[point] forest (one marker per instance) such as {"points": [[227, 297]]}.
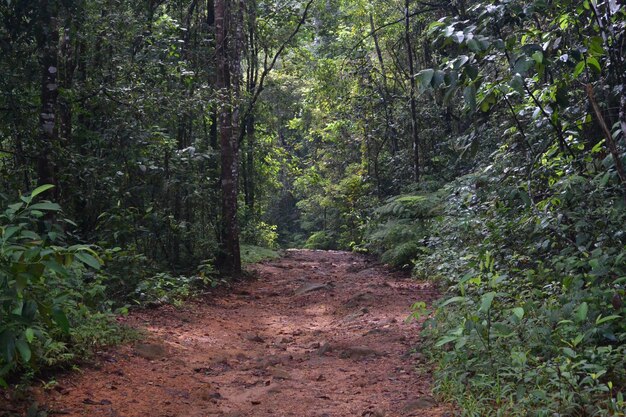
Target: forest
{"points": [[152, 150]]}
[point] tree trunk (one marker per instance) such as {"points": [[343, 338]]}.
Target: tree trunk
{"points": [[227, 40], [251, 87], [414, 131], [48, 135], [250, 144]]}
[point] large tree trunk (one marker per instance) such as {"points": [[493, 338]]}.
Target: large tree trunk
{"points": [[227, 84], [414, 131]]}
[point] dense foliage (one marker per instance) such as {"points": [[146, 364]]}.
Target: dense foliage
{"points": [[478, 143], [519, 207]]}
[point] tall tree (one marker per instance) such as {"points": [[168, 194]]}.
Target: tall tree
{"points": [[412, 92], [48, 44], [227, 27]]}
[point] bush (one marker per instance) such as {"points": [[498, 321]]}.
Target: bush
{"points": [[402, 255], [260, 233], [254, 254], [533, 322], [321, 240], [401, 225], [46, 287]]}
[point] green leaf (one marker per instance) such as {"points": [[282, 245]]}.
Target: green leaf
{"points": [[458, 37], [438, 79], [40, 190], [46, 206], [593, 63], [424, 77], [7, 346], [601, 320], [446, 339], [579, 338], [580, 67], [522, 66], [518, 312], [61, 320], [469, 94], [486, 301], [525, 198], [29, 234], [581, 312], [462, 341], [56, 267], [502, 330], [471, 71], [595, 45], [473, 45], [517, 83], [30, 335], [24, 349], [460, 61], [435, 25], [569, 352], [16, 206], [452, 300], [88, 259], [9, 231]]}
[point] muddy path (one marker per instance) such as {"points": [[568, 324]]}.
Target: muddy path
{"points": [[317, 334]]}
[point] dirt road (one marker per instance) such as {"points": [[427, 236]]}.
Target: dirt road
{"points": [[317, 334]]}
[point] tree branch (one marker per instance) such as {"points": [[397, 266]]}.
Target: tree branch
{"points": [[619, 167], [395, 22], [268, 68]]}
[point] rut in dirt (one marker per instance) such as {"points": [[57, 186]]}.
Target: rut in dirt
{"points": [[317, 334]]}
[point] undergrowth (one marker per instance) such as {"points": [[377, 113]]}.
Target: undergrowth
{"points": [[59, 301], [53, 303], [253, 254], [532, 323]]}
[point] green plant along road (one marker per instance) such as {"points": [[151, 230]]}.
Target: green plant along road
{"points": [[478, 144]]}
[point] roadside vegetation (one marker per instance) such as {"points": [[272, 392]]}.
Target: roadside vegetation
{"points": [[147, 152]]}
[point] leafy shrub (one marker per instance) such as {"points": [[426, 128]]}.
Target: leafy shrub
{"points": [[556, 351], [402, 255], [124, 270], [254, 254], [533, 324], [401, 225], [421, 206], [260, 233], [46, 287], [321, 240], [163, 288]]}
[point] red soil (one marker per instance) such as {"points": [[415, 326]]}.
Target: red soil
{"points": [[281, 345]]}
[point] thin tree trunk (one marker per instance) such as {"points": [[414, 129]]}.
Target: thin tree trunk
{"points": [[213, 141], [68, 67], [610, 142], [48, 135], [414, 131], [390, 131], [251, 86], [251, 143]]}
